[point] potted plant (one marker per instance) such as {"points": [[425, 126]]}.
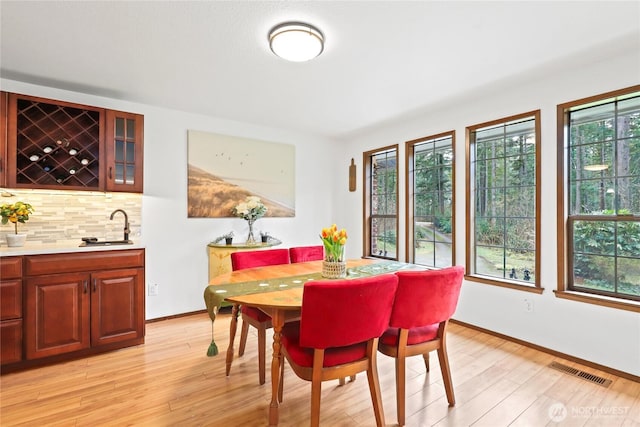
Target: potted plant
{"points": [[264, 236], [334, 265], [15, 213], [228, 238]]}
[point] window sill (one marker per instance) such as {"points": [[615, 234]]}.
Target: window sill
{"points": [[505, 284], [599, 300]]}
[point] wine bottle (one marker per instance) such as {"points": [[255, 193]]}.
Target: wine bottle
{"points": [[47, 167]]}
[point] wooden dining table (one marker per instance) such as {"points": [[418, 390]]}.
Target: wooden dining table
{"points": [[277, 291]]}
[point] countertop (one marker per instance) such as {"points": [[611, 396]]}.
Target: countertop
{"points": [[56, 248]]}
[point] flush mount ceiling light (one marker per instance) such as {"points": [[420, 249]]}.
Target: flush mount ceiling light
{"points": [[296, 41]]}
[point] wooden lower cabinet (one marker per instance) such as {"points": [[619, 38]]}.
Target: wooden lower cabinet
{"points": [[117, 306], [76, 305], [69, 312], [57, 314], [11, 341], [10, 309]]}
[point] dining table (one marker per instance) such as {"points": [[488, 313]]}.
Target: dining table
{"points": [[277, 291]]}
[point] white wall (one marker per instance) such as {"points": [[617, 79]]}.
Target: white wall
{"points": [[606, 336], [176, 246]]}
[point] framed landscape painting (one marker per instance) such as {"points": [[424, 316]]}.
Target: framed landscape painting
{"points": [[223, 170]]}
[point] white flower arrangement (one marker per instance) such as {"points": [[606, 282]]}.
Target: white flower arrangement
{"points": [[250, 209]]}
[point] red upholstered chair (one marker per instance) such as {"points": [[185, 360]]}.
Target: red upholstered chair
{"points": [[337, 334], [424, 303], [251, 315], [306, 253]]}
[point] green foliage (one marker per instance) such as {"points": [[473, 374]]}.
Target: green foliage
{"points": [[595, 253], [443, 223]]}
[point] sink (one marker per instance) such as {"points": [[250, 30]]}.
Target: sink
{"points": [[106, 242]]}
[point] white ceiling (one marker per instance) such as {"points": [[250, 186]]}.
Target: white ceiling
{"points": [[382, 59]]}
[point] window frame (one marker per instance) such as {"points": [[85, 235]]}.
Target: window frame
{"points": [[409, 194], [366, 203], [564, 234], [470, 273]]}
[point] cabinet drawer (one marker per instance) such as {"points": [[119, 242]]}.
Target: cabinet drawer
{"points": [[10, 268], [10, 341], [10, 299], [87, 261]]}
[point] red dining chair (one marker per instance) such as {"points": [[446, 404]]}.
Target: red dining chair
{"points": [[306, 253], [337, 334], [251, 315], [424, 303]]}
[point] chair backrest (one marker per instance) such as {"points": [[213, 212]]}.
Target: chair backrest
{"points": [[426, 297], [306, 253], [338, 313], [250, 259]]}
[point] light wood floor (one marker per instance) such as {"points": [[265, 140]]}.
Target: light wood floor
{"points": [[169, 381]]}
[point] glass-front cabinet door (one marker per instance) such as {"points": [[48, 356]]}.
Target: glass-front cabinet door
{"points": [[124, 148]]}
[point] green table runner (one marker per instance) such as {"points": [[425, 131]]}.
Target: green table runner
{"points": [[215, 294]]}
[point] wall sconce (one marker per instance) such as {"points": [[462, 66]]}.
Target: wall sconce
{"points": [[296, 41]]}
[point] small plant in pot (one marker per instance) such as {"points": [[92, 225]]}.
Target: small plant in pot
{"points": [[228, 238], [15, 213], [264, 236]]}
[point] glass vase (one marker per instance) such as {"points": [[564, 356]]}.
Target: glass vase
{"points": [[251, 240]]}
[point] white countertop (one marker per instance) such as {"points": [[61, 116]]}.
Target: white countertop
{"points": [[54, 248]]}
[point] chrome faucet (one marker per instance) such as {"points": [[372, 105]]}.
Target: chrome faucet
{"points": [[126, 223]]}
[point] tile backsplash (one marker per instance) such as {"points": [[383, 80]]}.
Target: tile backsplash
{"points": [[66, 216]]}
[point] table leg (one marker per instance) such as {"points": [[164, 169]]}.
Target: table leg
{"points": [[277, 320], [232, 336]]}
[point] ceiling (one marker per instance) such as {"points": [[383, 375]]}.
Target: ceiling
{"points": [[383, 60]]}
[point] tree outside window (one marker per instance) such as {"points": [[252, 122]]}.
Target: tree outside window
{"points": [[503, 201], [430, 200], [381, 203], [603, 195]]}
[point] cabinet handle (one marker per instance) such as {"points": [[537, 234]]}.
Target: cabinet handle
{"points": [[110, 172], [95, 286], [85, 286]]}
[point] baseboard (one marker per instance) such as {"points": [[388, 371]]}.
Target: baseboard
{"points": [[603, 368], [176, 316]]}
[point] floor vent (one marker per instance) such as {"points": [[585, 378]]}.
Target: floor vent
{"points": [[581, 374]]}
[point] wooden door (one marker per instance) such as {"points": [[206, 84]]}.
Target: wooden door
{"points": [[57, 314], [117, 306]]}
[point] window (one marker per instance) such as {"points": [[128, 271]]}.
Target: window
{"points": [[381, 203], [430, 207], [599, 145], [503, 202]]}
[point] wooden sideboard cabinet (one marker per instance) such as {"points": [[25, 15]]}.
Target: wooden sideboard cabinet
{"points": [[10, 309], [76, 304], [220, 255]]}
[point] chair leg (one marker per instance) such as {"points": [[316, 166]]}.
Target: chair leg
{"points": [[374, 389], [343, 380], [262, 344], [425, 356], [446, 374], [400, 388], [243, 337], [316, 391]]}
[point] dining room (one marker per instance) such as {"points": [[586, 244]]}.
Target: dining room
{"points": [[463, 134]]}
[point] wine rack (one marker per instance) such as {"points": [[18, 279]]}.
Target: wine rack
{"points": [[57, 145]]}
